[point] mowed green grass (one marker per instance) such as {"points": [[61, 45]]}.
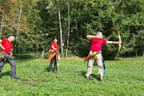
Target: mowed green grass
{"points": [[124, 77]]}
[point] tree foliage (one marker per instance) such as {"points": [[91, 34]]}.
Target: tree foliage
{"points": [[39, 23]]}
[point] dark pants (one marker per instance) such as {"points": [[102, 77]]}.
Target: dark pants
{"points": [[11, 61], [53, 60]]}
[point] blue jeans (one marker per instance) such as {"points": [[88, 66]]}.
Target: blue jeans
{"points": [[53, 60], [11, 61]]}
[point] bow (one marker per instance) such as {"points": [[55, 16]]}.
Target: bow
{"points": [[116, 57]]}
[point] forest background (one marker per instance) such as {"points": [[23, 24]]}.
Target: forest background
{"points": [[36, 22]]}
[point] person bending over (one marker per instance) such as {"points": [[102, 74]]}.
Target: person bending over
{"points": [[6, 52]]}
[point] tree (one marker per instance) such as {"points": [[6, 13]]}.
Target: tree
{"points": [[68, 29], [60, 25]]}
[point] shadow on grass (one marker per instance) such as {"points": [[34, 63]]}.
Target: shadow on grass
{"points": [[6, 73], [48, 70], [92, 75]]}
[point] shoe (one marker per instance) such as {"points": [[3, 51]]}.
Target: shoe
{"points": [[87, 78], [99, 78], [55, 71], [0, 75], [49, 70], [16, 78]]}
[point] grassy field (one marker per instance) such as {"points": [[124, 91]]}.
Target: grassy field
{"points": [[124, 77]]}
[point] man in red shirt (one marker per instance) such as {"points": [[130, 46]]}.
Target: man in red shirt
{"points": [[6, 52], [54, 48], [96, 46]]}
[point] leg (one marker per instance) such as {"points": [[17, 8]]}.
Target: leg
{"points": [[55, 64], [100, 66], [1, 66], [89, 67], [11, 61], [50, 65]]}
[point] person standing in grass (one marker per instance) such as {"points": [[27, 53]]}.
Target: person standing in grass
{"points": [[96, 46], [6, 52], [54, 49]]}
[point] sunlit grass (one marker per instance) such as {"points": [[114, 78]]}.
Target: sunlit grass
{"points": [[124, 77]]}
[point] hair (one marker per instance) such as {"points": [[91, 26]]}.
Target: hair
{"points": [[99, 33], [9, 35], [55, 37]]}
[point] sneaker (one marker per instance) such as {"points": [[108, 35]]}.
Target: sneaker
{"points": [[55, 70], [99, 78], [0, 74], [87, 78]]}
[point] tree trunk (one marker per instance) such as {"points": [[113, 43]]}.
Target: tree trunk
{"points": [[136, 53], [60, 25], [68, 27], [1, 23], [42, 56], [142, 50], [20, 15], [36, 47]]}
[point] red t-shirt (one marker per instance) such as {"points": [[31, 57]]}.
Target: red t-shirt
{"points": [[7, 45], [96, 44], [55, 45]]}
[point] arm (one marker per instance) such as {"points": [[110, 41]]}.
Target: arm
{"points": [[53, 47], [1, 45], [113, 42], [91, 36], [11, 53]]}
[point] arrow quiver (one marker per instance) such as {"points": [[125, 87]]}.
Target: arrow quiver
{"points": [[94, 55]]}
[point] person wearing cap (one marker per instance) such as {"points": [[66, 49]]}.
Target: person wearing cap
{"points": [[54, 48], [96, 46], [6, 52]]}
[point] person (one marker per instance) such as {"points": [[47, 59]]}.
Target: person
{"points": [[96, 46], [54, 49], [6, 52]]}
